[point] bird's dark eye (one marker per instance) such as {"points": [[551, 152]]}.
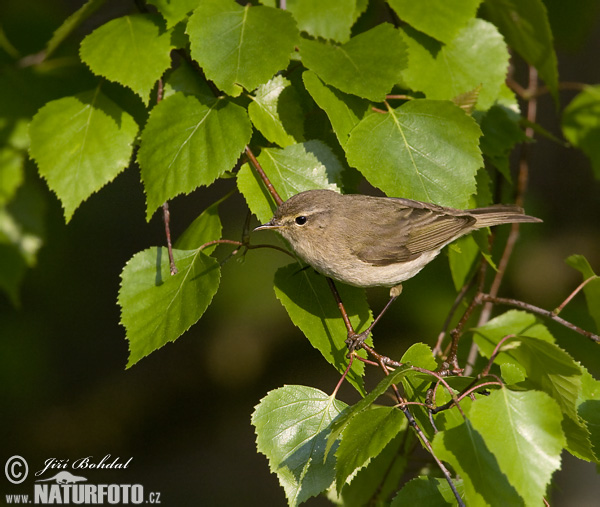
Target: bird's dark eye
{"points": [[301, 220]]}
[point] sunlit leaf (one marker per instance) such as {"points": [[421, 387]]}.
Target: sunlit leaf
{"points": [[293, 169], [240, 46], [187, 143], [174, 11], [157, 307], [310, 304], [130, 50], [329, 19], [425, 149], [292, 424], [275, 111], [364, 438], [368, 65], [484, 482], [523, 431], [476, 57], [69, 140], [441, 19]]}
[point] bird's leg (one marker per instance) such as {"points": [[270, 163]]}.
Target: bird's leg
{"points": [[355, 340]]}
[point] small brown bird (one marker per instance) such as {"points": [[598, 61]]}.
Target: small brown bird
{"points": [[376, 241]]}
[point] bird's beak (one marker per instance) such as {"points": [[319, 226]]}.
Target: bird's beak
{"points": [[268, 225]]}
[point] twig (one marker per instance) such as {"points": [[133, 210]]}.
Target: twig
{"points": [[437, 350], [488, 298], [166, 220], [263, 176], [344, 375], [399, 97], [244, 244], [495, 353], [560, 308]]}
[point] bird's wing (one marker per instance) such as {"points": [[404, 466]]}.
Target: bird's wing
{"points": [[407, 231]]}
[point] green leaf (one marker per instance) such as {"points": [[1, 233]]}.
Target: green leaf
{"points": [[548, 368], [186, 79], [292, 424], [275, 111], [365, 437], [206, 227], [440, 19], [157, 307], [187, 143], [477, 57], [368, 65], [523, 431], [293, 169], [379, 479], [11, 172], [525, 26], [329, 19], [428, 491], [70, 24], [425, 150], [174, 12], [462, 254], [234, 47], [501, 132], [69, 140], [21, 237], [419, 354], [344, 111], [464, 448], [589, 409], [591, 289], [130, 50], [340, 424], [581, 124], [308, 300]]}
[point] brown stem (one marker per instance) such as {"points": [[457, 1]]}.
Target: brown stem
{"points": [[560, 308], [263, 176], [437, 350], [344, 375], [495, 353], [166, 220], [341, 307], [488, 298]]}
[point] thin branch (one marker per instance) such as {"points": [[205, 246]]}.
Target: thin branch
{"points": [[399, 97], [263, 176], [344, 375], [437, 350], [248, 246], [560, 308], [488, 298], [495, 353], [166, 220], [341, 307]]}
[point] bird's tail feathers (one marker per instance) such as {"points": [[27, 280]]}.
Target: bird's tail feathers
{"points": [[501, 214]]}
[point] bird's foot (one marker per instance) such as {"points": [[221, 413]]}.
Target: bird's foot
{"points": [[355, 340]]}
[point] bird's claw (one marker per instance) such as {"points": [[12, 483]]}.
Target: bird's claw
{"points": [[354, 340]]}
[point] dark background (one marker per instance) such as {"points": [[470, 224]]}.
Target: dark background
{"points": [[183, 413]]}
